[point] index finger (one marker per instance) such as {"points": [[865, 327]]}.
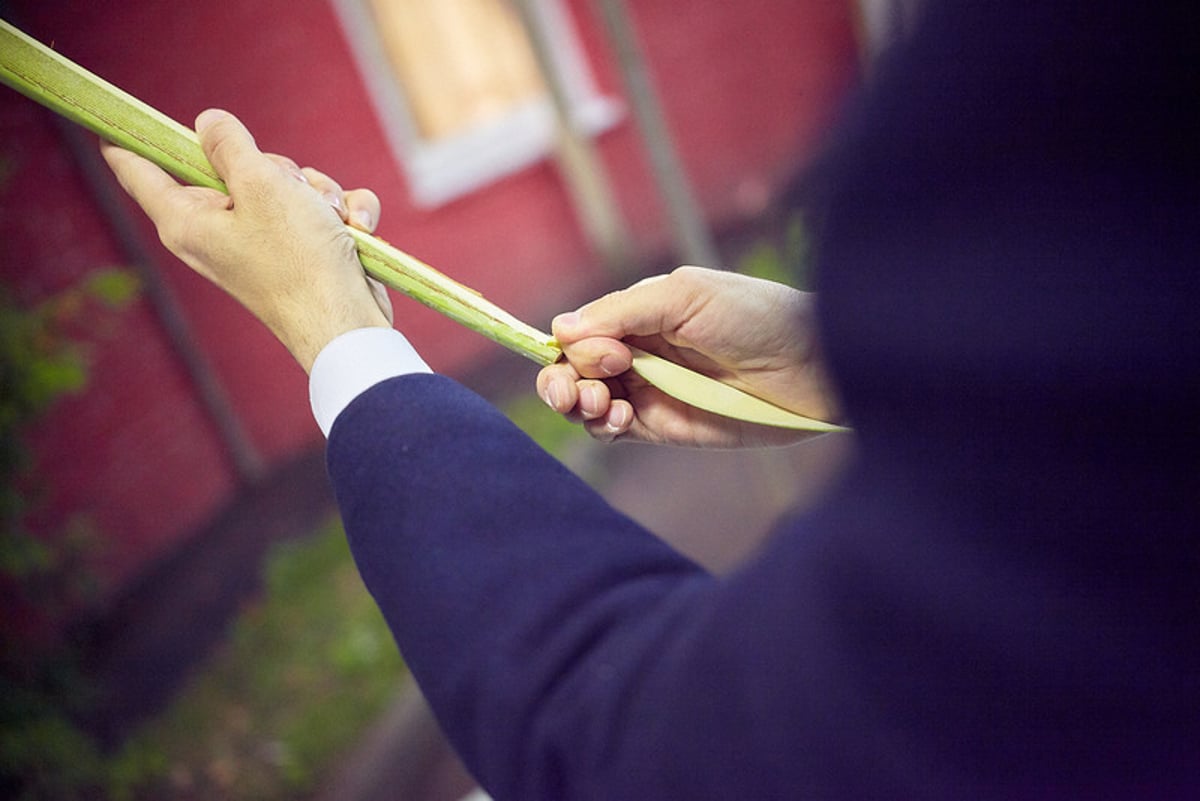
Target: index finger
{"points": [[152, 188]]}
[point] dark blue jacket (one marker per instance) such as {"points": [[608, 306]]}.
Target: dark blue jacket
{"points": [[1000, 598]]}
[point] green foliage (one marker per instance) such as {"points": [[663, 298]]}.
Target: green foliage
{"points": [[43, 578], [304, 670], [552, 431], [43, 358], [114, 288], [36, 365], [55, 759], [785, 258]]}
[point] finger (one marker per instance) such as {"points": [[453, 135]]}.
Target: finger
{"points": [[594, 399], [288, 166], [557, 387], [229, 146], [159, 195], [651, 306], [615, 423], [598, 357], [364, 209], [329, 189]]}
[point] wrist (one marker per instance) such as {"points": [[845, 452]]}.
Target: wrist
{"points": [[354, 362], [307, 342]]}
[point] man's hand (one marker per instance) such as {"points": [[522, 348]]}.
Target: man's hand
{"points": [[277, 242], [756, 335]]}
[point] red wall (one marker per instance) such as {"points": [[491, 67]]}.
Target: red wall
{"points": [[748, 89], [135, 451]]}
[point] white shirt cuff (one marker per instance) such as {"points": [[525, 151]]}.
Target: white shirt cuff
{"points": [[353, 363]]}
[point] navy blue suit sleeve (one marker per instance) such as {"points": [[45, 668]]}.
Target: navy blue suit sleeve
{"points": [[567, 652], [510, 586], [997, 600], [890, 643]]}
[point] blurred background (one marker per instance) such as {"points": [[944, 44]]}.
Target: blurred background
{"points": [[180, 617]]}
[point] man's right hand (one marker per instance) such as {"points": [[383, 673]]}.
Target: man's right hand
{"points": [[277, 243], [753, 334]]}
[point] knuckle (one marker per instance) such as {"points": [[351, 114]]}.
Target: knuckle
{"points": [[687, 273], [322, 182], [218, 144], [176, 233], [690, 278]]}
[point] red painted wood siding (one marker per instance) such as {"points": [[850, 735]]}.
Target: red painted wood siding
{"points": [[748, 89]]}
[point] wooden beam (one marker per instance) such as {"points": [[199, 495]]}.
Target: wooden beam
{"points": [[691, 233], [578, 160]]}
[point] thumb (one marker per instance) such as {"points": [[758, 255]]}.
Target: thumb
{"points": [[227, 143], [651, 306], [591, 337]]}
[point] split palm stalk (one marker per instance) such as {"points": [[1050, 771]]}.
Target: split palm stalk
{"points": [[39, 73], [48, 78]]}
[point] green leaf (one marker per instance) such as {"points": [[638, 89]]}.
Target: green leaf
{"points": [[112, 286]]}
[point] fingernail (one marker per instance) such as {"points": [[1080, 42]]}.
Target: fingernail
{"points": [[361, 219], [551, 396], [589, 401], [617, 419], [207, 118], [611, 364]]}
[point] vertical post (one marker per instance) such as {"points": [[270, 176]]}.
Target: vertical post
{"points": [[582, 169], [692, 236], [247, 463]]}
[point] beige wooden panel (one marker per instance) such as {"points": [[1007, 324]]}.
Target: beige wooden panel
{"points": [[462, 63]]}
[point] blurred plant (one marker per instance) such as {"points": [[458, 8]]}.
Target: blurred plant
{"points": [[785, 258], [45, 576], [43, 358], [305, 669]]}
